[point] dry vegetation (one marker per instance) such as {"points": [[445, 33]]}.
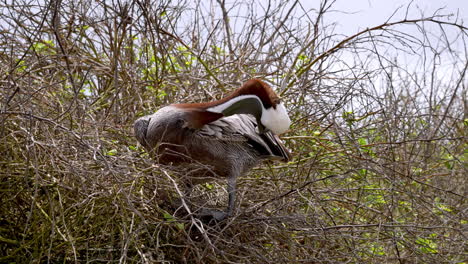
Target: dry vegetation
{"points": [[379, 133]]}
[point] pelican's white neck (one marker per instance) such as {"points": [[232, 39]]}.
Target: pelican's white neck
{"points": [[277, 120]]}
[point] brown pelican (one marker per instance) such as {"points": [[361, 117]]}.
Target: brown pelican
{"points": [[230, 135]]}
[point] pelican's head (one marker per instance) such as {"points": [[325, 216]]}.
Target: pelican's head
{"points": [[257, 98]]}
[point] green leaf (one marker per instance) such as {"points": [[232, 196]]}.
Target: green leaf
{"points": [[378, 250], [209, 186], [134, 148], [21, 66], [44, 47], [426, 245], [362, 173], [302, 56], [168, 217], [111, 152], [267, 245], [405, 204], [181, 48], [362, 141], [449, 161], [161, 94]]}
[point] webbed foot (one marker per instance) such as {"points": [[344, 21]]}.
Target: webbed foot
{"points": [[212, 215]]}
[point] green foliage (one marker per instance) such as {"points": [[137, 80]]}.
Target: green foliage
{"points": [[44, 47], [427, 245], [21, 66], [168, 217], [111, 152]]}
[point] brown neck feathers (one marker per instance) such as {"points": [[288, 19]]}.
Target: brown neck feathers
{"points": [[199, 116], [251, 87]]}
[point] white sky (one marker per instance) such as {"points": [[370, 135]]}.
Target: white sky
{"points": [[356, 15]]}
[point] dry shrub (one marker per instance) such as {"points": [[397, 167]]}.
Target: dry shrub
{"points": [[379, 174]]}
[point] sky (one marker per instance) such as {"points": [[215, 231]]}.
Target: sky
{"points": [[356, 15], [353, 16]]}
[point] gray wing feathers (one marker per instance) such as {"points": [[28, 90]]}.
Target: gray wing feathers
{"points": [[230, 128], [244, 128]]}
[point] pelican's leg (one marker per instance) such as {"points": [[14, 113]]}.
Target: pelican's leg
{"points": [[209, 214], [231, 188]]}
